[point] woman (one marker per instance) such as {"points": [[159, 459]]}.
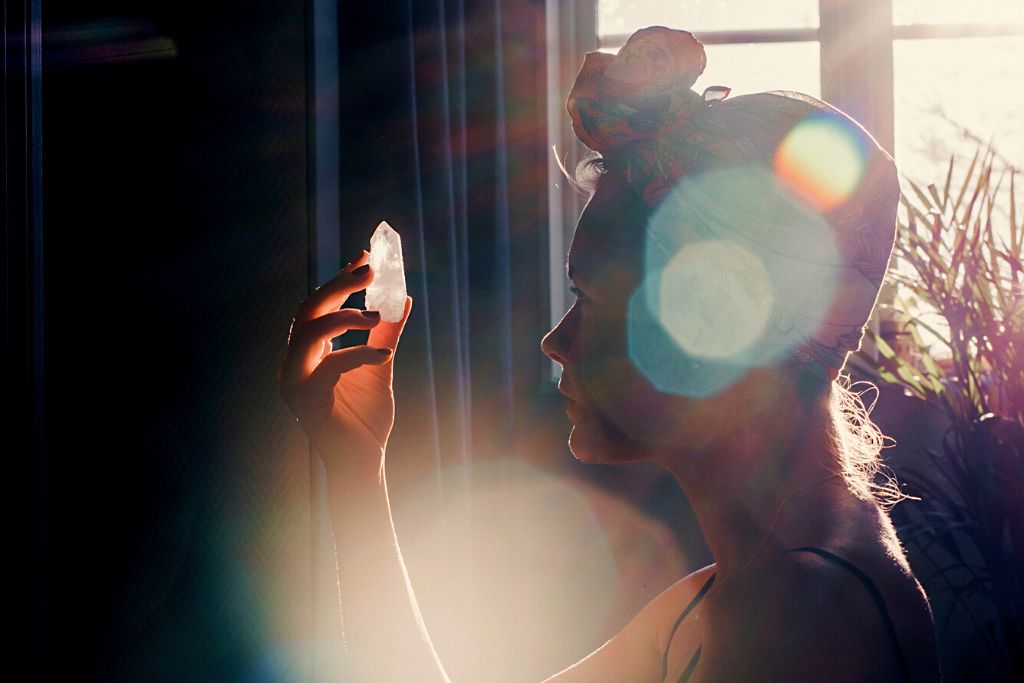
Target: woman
{"points": [[724, 268]]}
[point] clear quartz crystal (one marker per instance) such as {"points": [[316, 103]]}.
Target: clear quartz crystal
{"points": [[387, 291]]}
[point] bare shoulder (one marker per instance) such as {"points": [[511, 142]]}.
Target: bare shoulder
{"points": [[803, 616], [665, 608], [634, 653]]}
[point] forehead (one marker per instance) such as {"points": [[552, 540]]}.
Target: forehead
{"points": [[609, 235]]}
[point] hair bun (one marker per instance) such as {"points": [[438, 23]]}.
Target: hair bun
{"points": [[642, 92]]}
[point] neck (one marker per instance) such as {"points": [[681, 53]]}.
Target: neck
{"points": [[772, 485]]}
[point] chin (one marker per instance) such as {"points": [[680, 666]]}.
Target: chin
{"points": [[584, 450], [599, 444]]}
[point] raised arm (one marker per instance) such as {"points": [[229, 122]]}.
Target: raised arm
{"points": [[344, 401], [384, 634]]}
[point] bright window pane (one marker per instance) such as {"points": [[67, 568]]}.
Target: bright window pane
{"points": [[951, 93], [618, 17], [757, 67], [763, 66], [957, 11]]}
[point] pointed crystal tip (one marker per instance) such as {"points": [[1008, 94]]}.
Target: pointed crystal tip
{"points": [[387, 291]]}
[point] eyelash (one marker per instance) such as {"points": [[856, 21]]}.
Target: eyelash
{"points": [[577, 293]]}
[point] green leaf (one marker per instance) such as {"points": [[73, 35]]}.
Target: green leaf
{"points": [[925, 200], [945, 187], [1013, 213], [966, 183]]}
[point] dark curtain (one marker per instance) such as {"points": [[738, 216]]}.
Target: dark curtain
{"points": [[442, 134], [173, 244]]}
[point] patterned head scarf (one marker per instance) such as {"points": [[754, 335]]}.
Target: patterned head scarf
{"points": [[787, 200]]}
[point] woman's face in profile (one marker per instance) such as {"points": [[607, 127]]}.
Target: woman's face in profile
{"points": [[617, 414]]}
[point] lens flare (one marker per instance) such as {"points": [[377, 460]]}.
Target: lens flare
{"points": [[522, 561], [821, 161], [737, 273], [714, 299]]}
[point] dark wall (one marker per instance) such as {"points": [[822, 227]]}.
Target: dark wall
{"points": [[175, 538], [175, 237]]}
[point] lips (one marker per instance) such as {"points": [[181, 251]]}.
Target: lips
{"points": [[571, 407], [563, 392]]}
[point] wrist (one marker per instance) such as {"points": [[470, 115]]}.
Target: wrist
{"points": [[360, 463]]}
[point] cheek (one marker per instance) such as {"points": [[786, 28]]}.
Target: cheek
{"points": [[603, 360], [625, 400], [607, 374]]}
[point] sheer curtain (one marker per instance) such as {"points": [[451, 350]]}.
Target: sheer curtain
{"points": [[431, 116]]}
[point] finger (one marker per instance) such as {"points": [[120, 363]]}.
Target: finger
{"points": [[335, 291], [307, 346], [386, 335], [343, 360]]}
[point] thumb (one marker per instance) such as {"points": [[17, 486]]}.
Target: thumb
{"points": [[385, 334]]}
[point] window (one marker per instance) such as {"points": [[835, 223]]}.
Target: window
{"points": [[958, 71], [928, 78]]}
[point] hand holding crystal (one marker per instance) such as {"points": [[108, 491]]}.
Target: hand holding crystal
{"points": [[344, 398]]}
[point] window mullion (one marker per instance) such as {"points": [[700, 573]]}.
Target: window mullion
{"points": [[857, 77], [779, 35], [856, 62]]}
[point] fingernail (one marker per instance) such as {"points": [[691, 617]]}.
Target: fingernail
{"points": [[371, 314], [384, 352], [361, 270]]}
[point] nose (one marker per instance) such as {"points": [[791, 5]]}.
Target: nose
{"points": [[557, 342]]}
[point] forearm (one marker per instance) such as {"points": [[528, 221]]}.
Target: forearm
{"points": [[384, 634]]}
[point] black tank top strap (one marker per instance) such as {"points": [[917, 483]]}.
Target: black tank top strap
{"points": [[872, 589], [696, 655]]}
